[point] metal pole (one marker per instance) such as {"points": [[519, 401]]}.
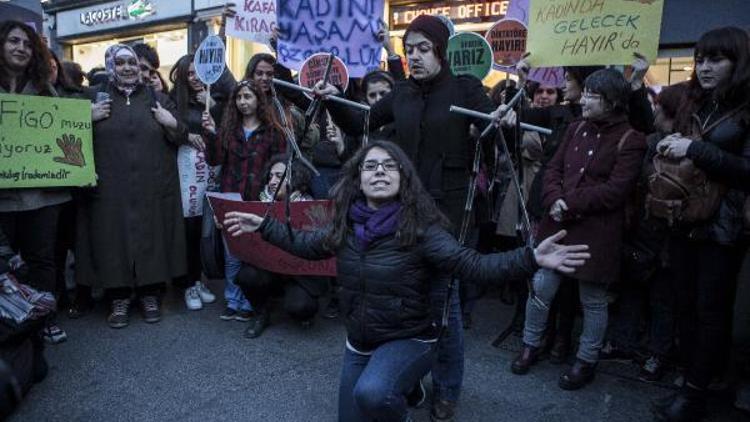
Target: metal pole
{"points": [[485, 116], [335, 99]]}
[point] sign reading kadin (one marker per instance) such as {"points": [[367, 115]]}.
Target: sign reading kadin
{"points": [[593, 32], [344, 28], [469, 54], [507, 39], [314, 68], [45, 142], [209, 59]]}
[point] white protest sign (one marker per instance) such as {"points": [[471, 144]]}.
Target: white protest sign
{"points": [[255, 21], [209, 60], [196, 177], [345, 28]]}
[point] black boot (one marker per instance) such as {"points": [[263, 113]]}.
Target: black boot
{"points": [[257, 323], [580, 374], [686, 406]]}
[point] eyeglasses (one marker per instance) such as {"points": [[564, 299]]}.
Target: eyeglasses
{"points": [[372, 165]]}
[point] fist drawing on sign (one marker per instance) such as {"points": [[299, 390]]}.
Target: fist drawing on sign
{"points": [[71, 148]]}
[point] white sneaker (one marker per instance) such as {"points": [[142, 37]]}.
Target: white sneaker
{"points": [[205, 294], [193, 299]]}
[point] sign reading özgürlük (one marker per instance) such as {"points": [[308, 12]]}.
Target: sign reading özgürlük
{"points": [[45, 142]]}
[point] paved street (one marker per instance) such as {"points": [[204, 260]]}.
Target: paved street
{"points": [[194, 367]]}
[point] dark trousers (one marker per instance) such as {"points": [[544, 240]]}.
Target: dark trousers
{"points": [[66, 237], [193, 250], [33, 234], [300, 293], [704, 276], [156, 289], [654, 298]]}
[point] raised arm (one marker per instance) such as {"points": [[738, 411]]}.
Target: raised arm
{"points": [[304, 244], [445, 253]]}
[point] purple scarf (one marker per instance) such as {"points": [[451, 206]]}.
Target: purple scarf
{"points": [[371, 225]]}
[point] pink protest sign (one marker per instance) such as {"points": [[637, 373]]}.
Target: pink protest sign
{"points": [[314, 68], [255, 21]]}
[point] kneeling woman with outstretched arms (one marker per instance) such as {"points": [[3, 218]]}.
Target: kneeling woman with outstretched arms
{"points": [[389, 237]]}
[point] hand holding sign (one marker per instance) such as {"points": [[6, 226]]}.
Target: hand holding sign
{"points": [[71, 147], [239, 223]]}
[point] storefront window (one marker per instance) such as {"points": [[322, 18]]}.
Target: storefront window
{"points": [[171, 45], [670, 70]]}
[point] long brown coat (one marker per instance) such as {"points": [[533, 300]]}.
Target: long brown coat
{"points": [[594, 177], [130, 227]]}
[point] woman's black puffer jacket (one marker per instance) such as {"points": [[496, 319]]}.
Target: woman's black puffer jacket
{"points": [[723, 152], [385, 288]]}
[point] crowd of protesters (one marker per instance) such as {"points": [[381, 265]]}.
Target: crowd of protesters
{"points": [[636, 201]]}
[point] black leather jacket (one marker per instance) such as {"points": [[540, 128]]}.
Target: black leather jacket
{"points": [[723, 152], [385, 289]]}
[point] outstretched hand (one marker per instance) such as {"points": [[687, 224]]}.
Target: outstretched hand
{"points": [[563, 258], [239, 223]]}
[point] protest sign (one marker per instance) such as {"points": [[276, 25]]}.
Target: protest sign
{"points": [[469, 54], [45, 142], [314, 68], [548, 76], [593, 32], [518, 10], [196, 176], [255, 21], [252, 249], [209, 60], [345, 28], [507, 38]]}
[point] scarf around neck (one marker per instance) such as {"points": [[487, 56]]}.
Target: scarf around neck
{"points": [[373, 224]]}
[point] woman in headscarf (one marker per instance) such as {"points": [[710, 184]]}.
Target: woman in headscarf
{"points": [[130, 235]]}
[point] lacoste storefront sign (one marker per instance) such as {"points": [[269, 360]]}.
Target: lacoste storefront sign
{"points": [[135, 9], [118, 14]]}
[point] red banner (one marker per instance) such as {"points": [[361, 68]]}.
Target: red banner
{"points": [[252, 249]]}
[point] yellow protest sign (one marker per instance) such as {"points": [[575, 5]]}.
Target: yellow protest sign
{"points": [[592, 32], [45, 142]]}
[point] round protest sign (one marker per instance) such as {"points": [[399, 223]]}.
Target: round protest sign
{"points": [[507, 38], [314, 68], [209, 60], [469, 54]]}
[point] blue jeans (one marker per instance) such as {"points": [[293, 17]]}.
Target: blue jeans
{"points": [[448, 370], [594, 301], [232, 292], [373, 388]]}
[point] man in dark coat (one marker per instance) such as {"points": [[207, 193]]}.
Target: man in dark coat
{"points": [[441, 147]]}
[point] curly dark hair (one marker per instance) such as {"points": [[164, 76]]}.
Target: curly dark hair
{"points": [[232, 119], [418, 209], [38, 70]]}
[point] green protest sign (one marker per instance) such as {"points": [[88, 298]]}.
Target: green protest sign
{"points": [[469, 54], [592, 32], [45, 142]]}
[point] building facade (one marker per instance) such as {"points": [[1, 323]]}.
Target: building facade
{"points": [[82, 29]]}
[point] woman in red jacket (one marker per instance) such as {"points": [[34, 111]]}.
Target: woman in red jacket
{"points": [[585, 189]]}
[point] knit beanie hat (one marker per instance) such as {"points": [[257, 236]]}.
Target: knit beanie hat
{"points": [[433, 29]]}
